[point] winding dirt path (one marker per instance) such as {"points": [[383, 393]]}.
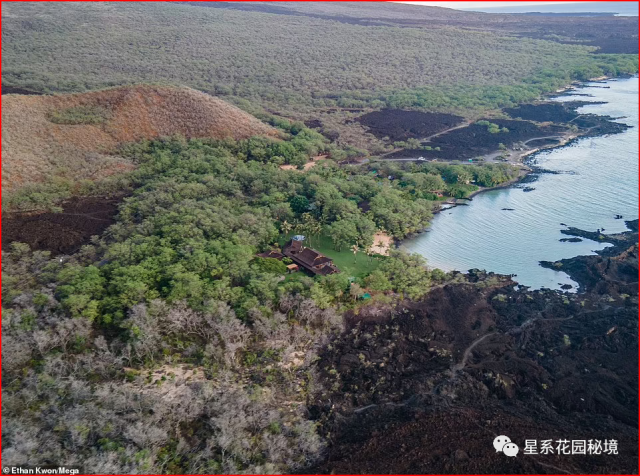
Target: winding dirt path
{"points": [[558, 137], [467, 352], [427, 139], [459, 126]]}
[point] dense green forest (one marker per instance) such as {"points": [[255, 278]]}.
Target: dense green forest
{"points": [[175, 285]]}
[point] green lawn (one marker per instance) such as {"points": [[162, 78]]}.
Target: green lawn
{"points": [[344, 259]]}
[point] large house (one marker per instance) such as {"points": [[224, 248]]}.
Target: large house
{"points": [[308, 258]]}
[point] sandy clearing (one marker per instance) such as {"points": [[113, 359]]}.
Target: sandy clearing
{"points": [[312, 163], [381, 243]]}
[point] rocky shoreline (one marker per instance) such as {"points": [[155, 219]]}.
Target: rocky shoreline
{"points": [[591, 125], [586, 270], [424, 386]]}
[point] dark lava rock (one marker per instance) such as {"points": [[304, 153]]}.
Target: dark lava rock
{"points": [[599, 125], [475, 140], [570, 240], [64, 232], [397, 124], [545, 112], [437, 379], [14, 90], [613, 270], [589, 235]]}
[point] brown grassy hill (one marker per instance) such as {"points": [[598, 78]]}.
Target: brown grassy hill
{"points": [[74, 136]]}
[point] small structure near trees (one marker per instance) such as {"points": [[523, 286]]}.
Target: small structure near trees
{"points": [[295, 254], [308, 258]]}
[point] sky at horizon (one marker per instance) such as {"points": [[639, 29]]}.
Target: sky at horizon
{"points": [[624, 8], [466, 5]]}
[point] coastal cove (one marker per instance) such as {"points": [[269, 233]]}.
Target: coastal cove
{"points": [[509, 231]]}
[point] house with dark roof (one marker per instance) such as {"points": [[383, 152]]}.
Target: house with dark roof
{"points": [[309, 259], [271, 254]]}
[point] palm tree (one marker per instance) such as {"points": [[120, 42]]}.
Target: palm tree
{"points": [[464, 177], [355, 291], [311, 225], [355, 250], [317, 228], [286, 228], [369, 251]]}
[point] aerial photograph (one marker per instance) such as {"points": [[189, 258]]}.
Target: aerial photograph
{"points": [[319, 237]]}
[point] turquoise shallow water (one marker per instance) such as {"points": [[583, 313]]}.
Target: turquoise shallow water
{"points": [[602, 181]]}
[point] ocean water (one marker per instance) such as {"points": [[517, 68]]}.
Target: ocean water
{"points": [[600, 181]]}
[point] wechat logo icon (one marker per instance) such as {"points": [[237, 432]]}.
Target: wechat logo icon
{"points": [[503, 444]]}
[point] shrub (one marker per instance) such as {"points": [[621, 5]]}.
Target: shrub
{"points": [[89, 115]]}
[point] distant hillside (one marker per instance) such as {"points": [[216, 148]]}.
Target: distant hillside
{"points": [[610, 35], [73, 136], [343, 11], [320, 62]]}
